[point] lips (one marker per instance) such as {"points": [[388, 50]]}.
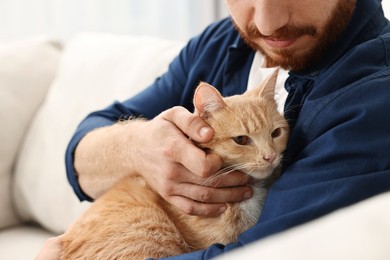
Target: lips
{"points": [[279, 43]]}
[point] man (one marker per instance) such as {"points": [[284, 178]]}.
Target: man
{"points": [[337, 52]]}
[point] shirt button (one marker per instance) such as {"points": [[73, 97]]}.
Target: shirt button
{"points": [[314, 73]]}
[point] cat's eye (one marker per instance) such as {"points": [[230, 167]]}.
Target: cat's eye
{"points": [[276, 133], [241, 139]]}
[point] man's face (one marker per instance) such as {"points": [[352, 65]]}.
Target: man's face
{"points": [[291, 34]]}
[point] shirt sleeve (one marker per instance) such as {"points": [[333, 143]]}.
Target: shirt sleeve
{"points": [[343, 142], [345, 160], [175, 87], [165, 92], [209, 253]]}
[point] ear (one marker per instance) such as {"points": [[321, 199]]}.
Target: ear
{"points": [[267, 88], [207, 99]]}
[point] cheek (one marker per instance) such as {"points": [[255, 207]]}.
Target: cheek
{"points": [[241, 12], [281, 143], [234, 154], [315, 12]]}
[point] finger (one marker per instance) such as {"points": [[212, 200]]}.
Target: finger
{"points": [[200, 163], [191, 207], [206, 194], [230, 179], [192, 125], [51, 249], [195, 160]]}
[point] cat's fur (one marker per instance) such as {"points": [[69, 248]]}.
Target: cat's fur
{"points": [[131, 221]]}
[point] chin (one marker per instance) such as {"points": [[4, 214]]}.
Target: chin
{"points": [[260, 174]]}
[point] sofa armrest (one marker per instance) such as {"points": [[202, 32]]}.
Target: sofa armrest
{"points": [[95, 70], [27, 69]]}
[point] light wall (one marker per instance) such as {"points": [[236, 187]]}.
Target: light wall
{"points": [[386, 7], [172, 19]]}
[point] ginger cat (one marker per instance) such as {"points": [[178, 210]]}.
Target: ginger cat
{"points": [[131, 221]]}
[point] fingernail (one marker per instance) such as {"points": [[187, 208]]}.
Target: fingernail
{"points": [[204, 131], [221, 210], [247, 195]]}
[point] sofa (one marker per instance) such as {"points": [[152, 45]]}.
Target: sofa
{"points": [[47, 86], [46, 89]]}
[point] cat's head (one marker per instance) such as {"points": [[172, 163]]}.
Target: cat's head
{"points": [[249, 133]]}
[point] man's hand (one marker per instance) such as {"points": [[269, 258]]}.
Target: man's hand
{"points": [[179, 171], [51, 250], [162, 152]]}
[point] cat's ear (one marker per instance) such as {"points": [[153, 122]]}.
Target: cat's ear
{"points": [[207, 99], [267, 88]]}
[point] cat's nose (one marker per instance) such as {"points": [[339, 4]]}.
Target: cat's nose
{"points": [[270, 158]]}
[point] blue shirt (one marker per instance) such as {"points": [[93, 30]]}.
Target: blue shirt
{"points": [[338, 150]]}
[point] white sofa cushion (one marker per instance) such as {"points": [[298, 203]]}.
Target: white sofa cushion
{"points": [[22, 242], [359, 232], [95, 70], [27, 69]]}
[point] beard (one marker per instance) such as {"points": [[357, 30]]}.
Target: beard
{"points": [[289, 59]]}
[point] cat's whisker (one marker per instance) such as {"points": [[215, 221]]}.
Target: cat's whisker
{"points": [[246, 177], [215, 179], [292, 108], [135, 221]]}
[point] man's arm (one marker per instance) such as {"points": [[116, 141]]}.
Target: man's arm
{"points": [[160, 151], [339, 147], [103, 151]]}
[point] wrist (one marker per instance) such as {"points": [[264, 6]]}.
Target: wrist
{"points": [[104, 156]]}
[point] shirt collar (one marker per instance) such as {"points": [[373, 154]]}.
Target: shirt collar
{"points": [[238, 53], [366, 23]]}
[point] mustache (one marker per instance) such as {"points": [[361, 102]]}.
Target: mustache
{"points": [[286, 32]]}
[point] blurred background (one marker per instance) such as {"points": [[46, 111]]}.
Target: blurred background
{"points": [[171, 19]]}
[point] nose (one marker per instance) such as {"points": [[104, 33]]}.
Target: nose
{"points": [[270, 158], [270, 15]]}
